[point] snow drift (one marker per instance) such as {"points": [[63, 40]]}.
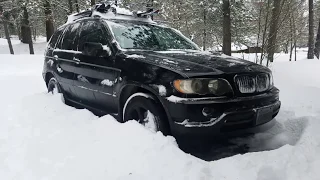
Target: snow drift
{"points": [[41, 138]]}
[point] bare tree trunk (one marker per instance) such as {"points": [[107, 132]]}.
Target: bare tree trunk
{"points": [[226, 28], [311, 31], [77, 5], [188, 29], [286, 48], [26, 30], [49, 19], [34, 34], [295, 49], [294, 37], [70, 6], [265, 33], [291, 38], [93, 2], [204, 38], [272, 39], [18, 30], [259, 31], [317, 45], [6, 32]]}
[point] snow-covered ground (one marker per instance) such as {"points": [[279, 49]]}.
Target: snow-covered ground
{"points": [[20, 48], [41, 138]]}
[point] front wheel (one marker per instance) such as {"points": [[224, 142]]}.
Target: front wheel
{"points": [[53, 86], [148, 112]]}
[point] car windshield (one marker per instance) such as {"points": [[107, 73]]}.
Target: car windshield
{"points": [[133, 35]]}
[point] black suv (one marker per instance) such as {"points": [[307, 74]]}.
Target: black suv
{"points": [[136, 69]]}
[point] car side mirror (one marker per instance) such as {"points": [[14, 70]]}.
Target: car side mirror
{"points": [[96, 49]]}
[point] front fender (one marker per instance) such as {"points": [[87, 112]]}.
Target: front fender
{"points": [[130, 88]]}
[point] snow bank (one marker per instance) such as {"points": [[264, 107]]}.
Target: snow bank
{"points": [[20, 48], [4, 42], [41, 138]]}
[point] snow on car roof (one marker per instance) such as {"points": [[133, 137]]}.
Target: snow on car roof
{"points": [[121, 14], [111, 15]]}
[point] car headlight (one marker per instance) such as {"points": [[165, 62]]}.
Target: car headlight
{"points": [[216, 87]]}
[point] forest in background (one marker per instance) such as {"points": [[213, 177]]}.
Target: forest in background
{"points": [[261, 26]]}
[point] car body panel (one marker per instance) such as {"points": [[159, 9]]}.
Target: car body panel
{"points": [[100, 81], [96, 77], [197, 63]]}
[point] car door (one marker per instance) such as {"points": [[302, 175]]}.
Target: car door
{"points": [[95, 75], [63, 54]]}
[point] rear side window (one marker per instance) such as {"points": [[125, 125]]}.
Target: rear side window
{"points": [[54, 38], [92, 31], [70, 37]]}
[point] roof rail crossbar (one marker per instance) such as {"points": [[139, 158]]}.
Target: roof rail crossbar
{"points": [[109, 7]]}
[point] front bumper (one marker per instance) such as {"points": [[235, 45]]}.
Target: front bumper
{"points": [[213, 116]]}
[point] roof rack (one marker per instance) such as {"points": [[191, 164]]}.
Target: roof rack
{"points": [[104, 8]]}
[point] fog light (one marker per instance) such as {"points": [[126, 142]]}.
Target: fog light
{"points": [[207, 112], [211, 112]]}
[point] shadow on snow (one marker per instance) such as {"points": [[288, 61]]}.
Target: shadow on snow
{"points": [[288, 130]]}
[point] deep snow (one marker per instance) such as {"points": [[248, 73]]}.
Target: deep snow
{"points": [[41, 138]]}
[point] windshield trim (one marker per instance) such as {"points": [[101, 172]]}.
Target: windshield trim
{"points": [[108, 21]]}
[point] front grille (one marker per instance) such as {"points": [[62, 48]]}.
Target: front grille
{"points": [[246, 84], [263, 82], [252, 84]]}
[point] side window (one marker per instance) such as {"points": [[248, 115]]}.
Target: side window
{"points": [[92, 31], [54, 38], [70, 37]]}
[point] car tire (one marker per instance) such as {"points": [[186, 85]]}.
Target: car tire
{"points": [[148, 112], [53, 86]]}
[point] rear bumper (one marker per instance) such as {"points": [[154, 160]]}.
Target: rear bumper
{"points": [[211, 117]]}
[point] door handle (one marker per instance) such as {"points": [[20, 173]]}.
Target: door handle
{"points": [[76, 60], [56, 57]]}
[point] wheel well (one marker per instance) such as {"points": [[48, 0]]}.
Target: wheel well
{"points": [[48, 77], [131, 89], [128, 91]]}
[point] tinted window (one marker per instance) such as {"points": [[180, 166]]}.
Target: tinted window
{"points": [[92, 31], [54, 38], [70, 37]]}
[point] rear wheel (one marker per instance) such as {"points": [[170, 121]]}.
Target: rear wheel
{"points": [[148, 112]]}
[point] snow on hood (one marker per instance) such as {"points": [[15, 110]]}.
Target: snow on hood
{"points": [[197, 63]]}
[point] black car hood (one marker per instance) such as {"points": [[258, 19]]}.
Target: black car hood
{"points": [[196, 63]]}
